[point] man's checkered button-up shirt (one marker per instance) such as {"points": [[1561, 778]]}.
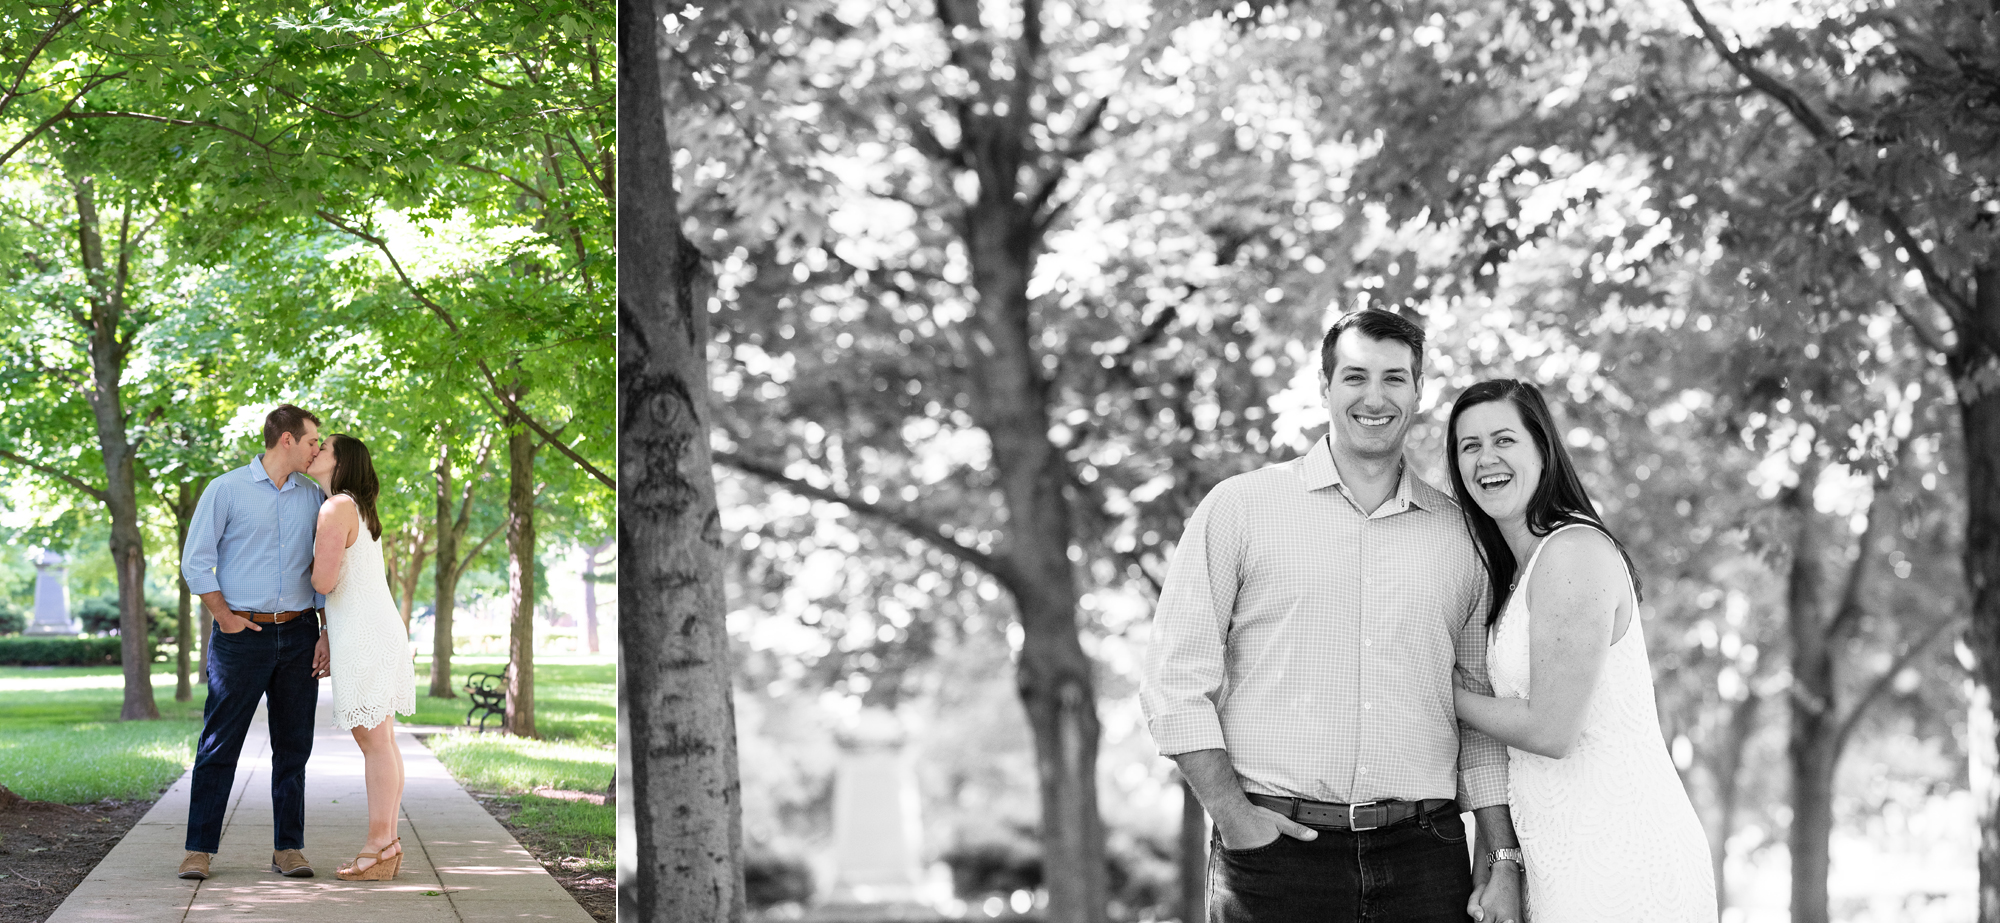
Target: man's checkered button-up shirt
{"points": [[1316, 643]]}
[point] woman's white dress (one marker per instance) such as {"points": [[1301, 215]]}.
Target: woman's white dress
{"points": [[1607, 832], [368, 644]]}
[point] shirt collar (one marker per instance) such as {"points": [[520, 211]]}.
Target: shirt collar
{"points": [[1319, 472], [257, 473]]}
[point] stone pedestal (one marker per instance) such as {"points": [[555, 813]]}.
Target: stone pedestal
{"points": [[876, 827], [51, 616]]}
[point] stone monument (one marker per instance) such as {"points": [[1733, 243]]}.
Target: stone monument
{"points": [[51, 615], [878, 871]]}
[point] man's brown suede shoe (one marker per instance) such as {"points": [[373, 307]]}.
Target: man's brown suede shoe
{"points": [[291, 863], [195, 866]]}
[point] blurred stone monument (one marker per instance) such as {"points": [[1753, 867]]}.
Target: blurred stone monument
{"points": [[878, 874], [51, 596]]}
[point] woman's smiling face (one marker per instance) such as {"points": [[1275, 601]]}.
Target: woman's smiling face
{"points": [[1498, 459]]}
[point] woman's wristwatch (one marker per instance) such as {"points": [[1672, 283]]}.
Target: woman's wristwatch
{"points": [[1506, 854]]}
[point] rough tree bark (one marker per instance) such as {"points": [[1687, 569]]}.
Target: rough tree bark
{"points": [[681, 831], [520, 714]]}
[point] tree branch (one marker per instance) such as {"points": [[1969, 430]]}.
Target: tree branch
{"points": [[1954, 302], [451, 324], [998, 567], [186, 123], [63, 476], [1887, 678]]}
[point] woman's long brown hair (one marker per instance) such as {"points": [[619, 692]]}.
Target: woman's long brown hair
{"points": [[354, 475]]}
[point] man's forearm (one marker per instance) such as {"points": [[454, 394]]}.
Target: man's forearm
{"points": [[1213, 778], [213, 602], [1496, 829]]}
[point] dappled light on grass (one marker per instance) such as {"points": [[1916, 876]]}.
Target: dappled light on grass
{"points": [[61, 740], [492, 762], [89, 762]]}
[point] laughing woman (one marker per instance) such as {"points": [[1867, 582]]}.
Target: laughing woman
{"points": [[1605, 826], [369, 644]]}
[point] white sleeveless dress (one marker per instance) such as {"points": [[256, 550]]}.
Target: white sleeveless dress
{"points": [[369, 647], [1608, 832]]}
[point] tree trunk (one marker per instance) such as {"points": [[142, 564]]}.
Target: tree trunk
{"points": [[406, 568], [1728, 784], [590, 592], [445, 586], [186, 496], [1977, 377], [1054, 675], [680, 854], [1193, 862], [121, 488], [520, 714], [1810, 749]]}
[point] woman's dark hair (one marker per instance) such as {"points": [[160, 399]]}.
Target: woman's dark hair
{"points": [[354, 475], [1559, 499]]}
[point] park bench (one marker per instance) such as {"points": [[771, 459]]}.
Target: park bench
{"points": [[489, 697]]}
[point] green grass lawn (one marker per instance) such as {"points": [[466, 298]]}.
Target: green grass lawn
{"points": [[575, 714], [61, 740]]}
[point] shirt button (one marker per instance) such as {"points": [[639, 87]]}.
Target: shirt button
{"points": [[1365, 642], [1366, 706]]}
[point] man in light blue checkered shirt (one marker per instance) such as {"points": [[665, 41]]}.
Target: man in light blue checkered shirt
{"points": [[249, 557], [1300, 670]]}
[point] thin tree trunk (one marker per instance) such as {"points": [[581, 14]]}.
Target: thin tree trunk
{"points": [[679, 791], [520, 714], [590, 592], [1813, 721], [1729, 789], [1979, 413], [1193, 864], [186, 496], [445, 585], [121, 488]]}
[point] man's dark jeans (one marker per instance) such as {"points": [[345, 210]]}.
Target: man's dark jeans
{"points": [[243, 668], [1414, 872]]}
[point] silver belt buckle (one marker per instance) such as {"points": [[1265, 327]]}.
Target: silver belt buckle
{"points": [[1355, 827]]}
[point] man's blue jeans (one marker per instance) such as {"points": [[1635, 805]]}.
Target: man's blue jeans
{"points": [[243, 667], [1414, 872]]}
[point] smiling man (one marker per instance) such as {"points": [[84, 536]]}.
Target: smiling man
{"points": [[1300, 670]]}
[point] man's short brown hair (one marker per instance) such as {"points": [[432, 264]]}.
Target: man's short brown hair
{"points": [[286, 419]]}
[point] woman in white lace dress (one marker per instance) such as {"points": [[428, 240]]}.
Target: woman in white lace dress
{"points": [[1606, 829], [367, 640]]}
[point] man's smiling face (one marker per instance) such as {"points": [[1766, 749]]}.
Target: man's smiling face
{"points": [[1372, 396]]}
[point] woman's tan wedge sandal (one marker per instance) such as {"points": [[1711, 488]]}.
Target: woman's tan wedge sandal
{"points": [[382, 870]]}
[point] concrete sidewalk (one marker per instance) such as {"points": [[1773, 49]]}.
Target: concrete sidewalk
{"points": [[459, 864]]}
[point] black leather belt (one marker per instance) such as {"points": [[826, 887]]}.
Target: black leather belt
{"points": [[1367, 815]]}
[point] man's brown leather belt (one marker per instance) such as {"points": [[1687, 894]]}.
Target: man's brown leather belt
{"points": [[271, 618], [1367, 815]]}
